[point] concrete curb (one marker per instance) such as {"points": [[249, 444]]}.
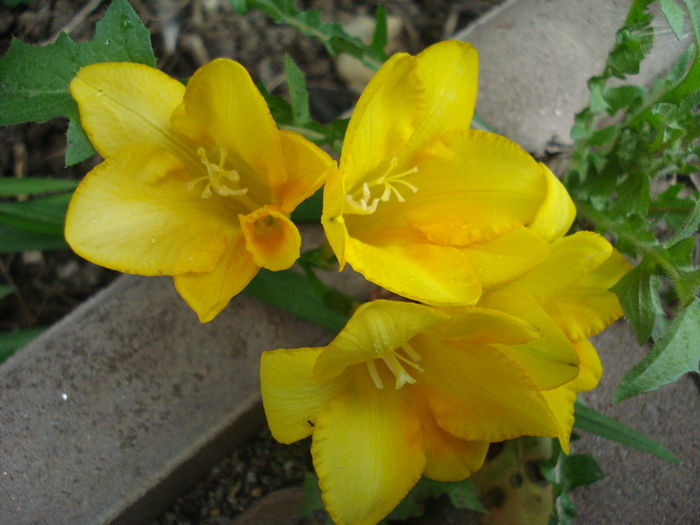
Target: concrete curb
{"points": [[536, 57]]}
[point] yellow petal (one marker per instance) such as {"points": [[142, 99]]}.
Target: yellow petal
{"points": [[209, 293], [383, 121], [449, 74], [367, 451], [557, 213], [482, 326], [307, 168], [473, 186], [572, 258], [584, 312], [448, 458], [432, 274], [587, 307], [223, 108], [376, 328], [591, 369], [561, 402], [506, 257], [123, 104], [134, 213], [271, 238], [478, 394], [332, 217], [550, 360], [292, 400]]}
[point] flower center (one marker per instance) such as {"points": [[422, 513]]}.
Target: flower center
{"points": [[224, 182], [359, 201], [395, 363]]}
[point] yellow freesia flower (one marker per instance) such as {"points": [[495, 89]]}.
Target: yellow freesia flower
{"points": [[426, 207], [405, 389], [567, 297], [197, 182]]}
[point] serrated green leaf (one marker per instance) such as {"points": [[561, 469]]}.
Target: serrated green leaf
{"points": [[637, 292], [78, 145], [34, 80], [624, 97], [596, 423], [596, 86], [691, 78], [634, 194], [675, 16], [680, 254], [10, 342], [676, 353], [298, 95], [686, 283], [626, 56], [6, 290], [11, 187], [690, 226], [603, 136]]}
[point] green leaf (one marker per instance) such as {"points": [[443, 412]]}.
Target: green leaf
{"points": [[34, 80], [462, 494], [310, 209], [6, 290], [332, 36], [677, 352], [298, 95], [624, 97], [674, 14], [567, 473], [581, 469], [312, 506], [11, 187], [14, 240], [634, 194], [596, 423], [689, 228], [10, 342], [40, 215], [637, 292], [687, 283], [598, 104], [294, 293], [380, 38]]}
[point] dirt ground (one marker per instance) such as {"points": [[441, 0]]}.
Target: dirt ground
{"points": [[186, 34]]}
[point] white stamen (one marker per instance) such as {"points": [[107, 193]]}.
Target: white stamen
{"points": [[374, 374]]}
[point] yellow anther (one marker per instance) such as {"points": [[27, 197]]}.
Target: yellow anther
{"points": [[395, 363], [218, 178], [388, 180]]}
